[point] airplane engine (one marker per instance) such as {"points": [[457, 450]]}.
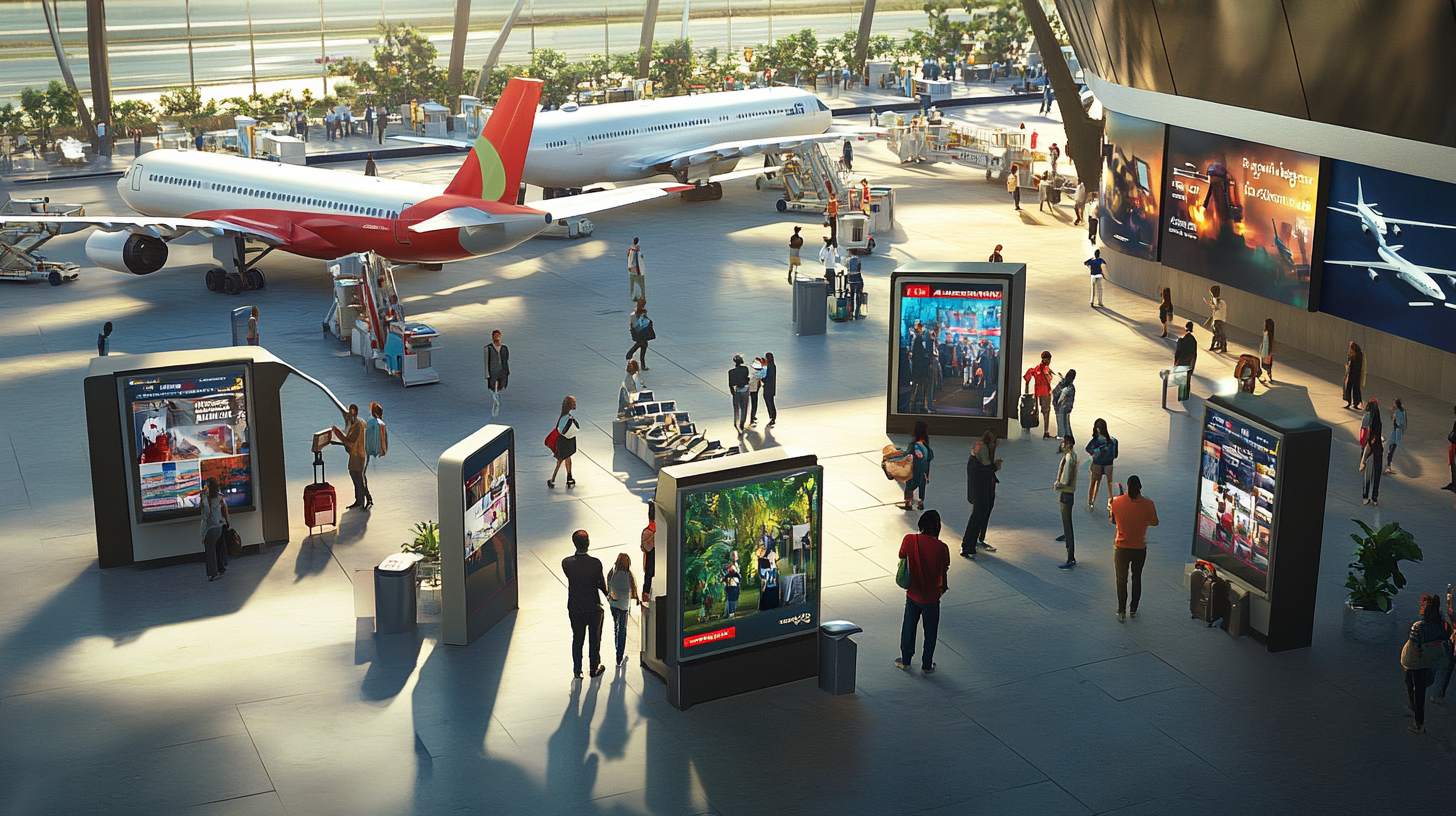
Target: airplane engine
{"points": [[1364, 227], [127, 252], [1375, 276], [1395, 228]]}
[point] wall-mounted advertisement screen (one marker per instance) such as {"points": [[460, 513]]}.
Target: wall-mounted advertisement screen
{"points": [[1390, 253], [749, 561], [1237, 496], [490, 528], [1132, 181], [186, 427], [1241, 214], [948, 359]]}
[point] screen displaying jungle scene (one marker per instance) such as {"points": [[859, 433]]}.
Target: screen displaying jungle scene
{"points": [[750, 562]]}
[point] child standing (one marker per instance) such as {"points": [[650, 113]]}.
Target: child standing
{"points": [[623, 588]]}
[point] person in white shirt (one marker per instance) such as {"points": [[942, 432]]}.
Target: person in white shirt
{"points": [[829, 258], [214, 521], [1218, 308]]}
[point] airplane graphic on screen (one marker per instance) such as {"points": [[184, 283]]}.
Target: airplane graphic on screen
{"points": [[1376, 225]]}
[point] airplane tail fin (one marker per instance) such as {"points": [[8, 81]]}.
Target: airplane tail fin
{"points": [[492, 168]]}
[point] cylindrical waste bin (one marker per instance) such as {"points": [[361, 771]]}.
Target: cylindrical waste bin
{"points": [[837, 656], [809, 314], [395, 603]]}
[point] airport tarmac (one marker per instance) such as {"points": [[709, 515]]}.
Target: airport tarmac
{"points": [[152, 690]]}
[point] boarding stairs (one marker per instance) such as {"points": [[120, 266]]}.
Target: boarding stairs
{"points": [[19, 260], [808, 177]]}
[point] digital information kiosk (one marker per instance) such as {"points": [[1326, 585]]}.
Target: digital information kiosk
{"points": [[1262, 479], [477, 503], [955, 346], [739, 606]]}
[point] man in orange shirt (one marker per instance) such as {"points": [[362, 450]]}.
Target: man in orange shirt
{"points": [[833, 218], [1041, 377], [1133, 514]]}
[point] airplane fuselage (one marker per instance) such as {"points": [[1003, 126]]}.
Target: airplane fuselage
{"points": [[317, 213], [1408, 272]]}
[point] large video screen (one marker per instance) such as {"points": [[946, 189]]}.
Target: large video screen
{"points": [[187, 427], [1132, 181], [1237, 492], [750, 562], [1390, 253], [1240, 213], [949, 353], [490, 515]]}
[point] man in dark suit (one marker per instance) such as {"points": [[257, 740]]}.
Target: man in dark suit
{"points": [[497, 366], [583, 581], [921, 352], [1186, 354]]}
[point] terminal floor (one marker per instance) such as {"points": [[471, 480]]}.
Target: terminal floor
{"points": [[152, 691]]}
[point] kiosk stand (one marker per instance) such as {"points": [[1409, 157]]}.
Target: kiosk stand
{"points": [[740, 604], [477, 503]]}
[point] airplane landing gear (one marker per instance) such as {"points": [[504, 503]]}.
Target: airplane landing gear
{"points": [[232, 252]]}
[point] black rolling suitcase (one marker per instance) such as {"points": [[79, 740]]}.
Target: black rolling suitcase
{"points": [[1028, 412], [1208, 598]]}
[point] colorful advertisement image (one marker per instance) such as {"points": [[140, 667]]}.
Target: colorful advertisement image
{"points": [[489, 531], [1236, 492], [949, 352], [187, 428], [1241, 214], [1132, 181], [1390, 253], [750, 562]]}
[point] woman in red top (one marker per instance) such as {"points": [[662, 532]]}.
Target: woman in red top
{"points": [[927, 560], [1041, 376]]}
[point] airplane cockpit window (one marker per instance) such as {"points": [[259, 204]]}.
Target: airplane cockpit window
{"points": [[822, 106]]}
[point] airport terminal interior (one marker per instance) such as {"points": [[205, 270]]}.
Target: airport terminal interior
{"points": [[183, 305]]}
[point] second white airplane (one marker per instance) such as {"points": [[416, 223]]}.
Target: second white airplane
{"points": [[1375, 225]]}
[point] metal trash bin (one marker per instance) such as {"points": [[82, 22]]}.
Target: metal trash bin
{"points": [[395, 601], [809, 314], [837, 656]]}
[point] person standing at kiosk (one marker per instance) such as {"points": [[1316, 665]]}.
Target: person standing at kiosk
{"points": [[214, 521], [353, 441]]}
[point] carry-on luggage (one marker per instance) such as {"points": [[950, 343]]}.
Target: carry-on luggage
{"points": [[320, 503], [233, 540], [1208, 598], [1028, 412], [840, 311]]}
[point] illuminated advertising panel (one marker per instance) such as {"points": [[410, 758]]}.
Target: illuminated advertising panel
{"points": [[950, 345], [1238, 486], [1132, 181]]}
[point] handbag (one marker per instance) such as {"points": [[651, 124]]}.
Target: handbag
{"points": [[1427, 655], [234, 541], [647, 332], [902, 574], [897, 464], [552, 438]]}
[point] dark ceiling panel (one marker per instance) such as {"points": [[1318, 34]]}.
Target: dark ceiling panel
{"points": [[1234, 52], [1386, 66], [1136, 43], [1100, 44], [1074, 20]]}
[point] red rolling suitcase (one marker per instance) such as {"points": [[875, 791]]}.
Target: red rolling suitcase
{"points": [[320, 503]]}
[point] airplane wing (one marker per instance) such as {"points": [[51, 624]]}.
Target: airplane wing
{"points": [[458, 144], [165, 228], [1346, 212], [1429, 270], [727, 151], [1417, 223], [587, 203]]}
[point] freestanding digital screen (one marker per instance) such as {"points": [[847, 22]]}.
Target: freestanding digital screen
{"points": [[1238, 494], [1132, 181], [1240, 213], [749, 561], [950, 346], [187, 426], [1390, 253], [489, 522]]}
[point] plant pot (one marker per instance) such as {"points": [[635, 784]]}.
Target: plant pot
{"points": [[429, 598], [1370, 625]]}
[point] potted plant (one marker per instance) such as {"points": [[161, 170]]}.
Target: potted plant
{"points": [[426, 544], [1374, 580]]}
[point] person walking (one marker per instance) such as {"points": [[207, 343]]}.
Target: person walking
{"points": [[214, 521], [927, 566], [1370, 459], [1079, 203], [369, 119], [253, 326], [636, 280], [376, 444], [796, 243], [649, 553], [995, 255], [1044, 194], [1165, 310], [497, 366], [920, 458], [1397, 432], [770, 387], [583, 582], [1041, 378], [622, 591], [1097, 267], [1133, 513], [1354, 376], [1266, 351], [1091, 210], [1370, 422], [832, 217], [848, 152], [1013, 186], [1218, 312], [381, 122], [352, 439], [1185, 354], [640, 325], [755, 382], [829, 259], [103, 340], [1046, 100], [1063, 397], [370, 168], [1054, 153], [566, 430], [981, 483], [738, 389], [1429, 633], [1443, 674], [1066, 486], [1103, 450]]}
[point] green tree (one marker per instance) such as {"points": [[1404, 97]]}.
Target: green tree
{"points": [[181, 102], [38, 113], [1004, 30], [130, 114], [672, 66], [557, 77], [12, 119], [498, 78], [403, 66]]}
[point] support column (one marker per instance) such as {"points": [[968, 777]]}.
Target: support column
{"points": [[495, 50], [644, 47], [862, 43], [100, 74], [457, 47]]}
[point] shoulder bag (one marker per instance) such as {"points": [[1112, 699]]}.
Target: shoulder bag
{"points": [[1426, 655], [897, 464], [902, 574], [551, 439]]}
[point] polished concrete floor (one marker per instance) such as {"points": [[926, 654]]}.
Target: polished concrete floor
{"points": [[151, 691]]}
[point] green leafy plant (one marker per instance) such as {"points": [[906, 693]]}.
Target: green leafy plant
{"points": [[1375, 575], [426, 543]]}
